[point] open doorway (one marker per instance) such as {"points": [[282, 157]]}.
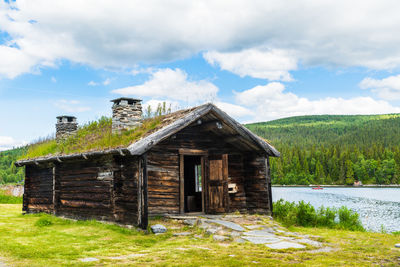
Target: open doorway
{"points": [[193, 184]]}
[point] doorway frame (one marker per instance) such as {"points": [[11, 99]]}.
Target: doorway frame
{"points": [[203, 155]]}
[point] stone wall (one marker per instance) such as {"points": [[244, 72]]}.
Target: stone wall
{"points": [[65, 127], [127, 114]]}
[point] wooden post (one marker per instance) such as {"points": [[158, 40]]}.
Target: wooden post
{"points": [[145, 217], [268, 177], [225, 175], [181, 184]]}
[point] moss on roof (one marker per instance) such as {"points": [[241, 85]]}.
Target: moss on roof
{"points": [[98, 136]]}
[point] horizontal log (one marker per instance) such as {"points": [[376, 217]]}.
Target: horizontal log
{"points": [[81, 203], [86, 183], [85, 196]]}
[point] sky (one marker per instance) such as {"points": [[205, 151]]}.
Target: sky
{"points": [[256, 60]]}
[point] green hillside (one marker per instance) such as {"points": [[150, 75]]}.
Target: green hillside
{"points": [[8, 172], [334, 149]]}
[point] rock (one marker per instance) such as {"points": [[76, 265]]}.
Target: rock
{"points": [[252, 227], [284, 245], [261, 239], [397, 245], [264, 233], [309, 242], [191, 222], [182, 234], [240, 240], [158, 228], [219, 238], [89, 259], [231, 255], [230, 225], [211, 231], [234, 234], [198, 236]]}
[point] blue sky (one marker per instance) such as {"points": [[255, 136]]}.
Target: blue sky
{"points": [[257, 60]]}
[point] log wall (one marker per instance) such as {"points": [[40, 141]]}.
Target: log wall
{"points": [[83, 193], [256, 184], [38, 191], [246, 170]]}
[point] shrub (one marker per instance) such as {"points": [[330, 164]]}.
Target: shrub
{"points": [[304, 214], [44, 221], [7, 199]]}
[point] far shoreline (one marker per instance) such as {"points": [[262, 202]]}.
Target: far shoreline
{"points": [[344, 186]]}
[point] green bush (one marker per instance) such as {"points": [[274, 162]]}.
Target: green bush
{"points": [[7, 199], [44, 221], [304, 214]]}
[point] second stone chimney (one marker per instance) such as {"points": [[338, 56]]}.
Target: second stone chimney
{"points": [[66, 126], [126, 113]]}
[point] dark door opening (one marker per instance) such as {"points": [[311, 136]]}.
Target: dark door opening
{"points": [[194, 184]]}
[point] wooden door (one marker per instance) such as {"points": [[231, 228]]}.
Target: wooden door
{"points": [[217, 184]]}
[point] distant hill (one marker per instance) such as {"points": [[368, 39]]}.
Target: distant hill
{"points": [[334, 149], [8, 172], [318, 149], [306, 131]]}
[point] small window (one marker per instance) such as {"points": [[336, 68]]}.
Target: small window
{"points": [[197, 173]]}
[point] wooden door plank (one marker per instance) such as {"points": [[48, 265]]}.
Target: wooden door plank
{"points": [[181, 184]]}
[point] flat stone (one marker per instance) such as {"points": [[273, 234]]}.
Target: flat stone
{"points": [[89, 259], [240, 240], [321, 250], [210, 216], [397, 245], [211, 231], [284, 245], [230, 225], [191, 222], [219, 238], [234, 234], [158, 228], [263, 233], [309, 242], [182, 234], [261, 239], [198, 236], [252, 227]]}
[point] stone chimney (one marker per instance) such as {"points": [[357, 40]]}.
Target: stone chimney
{"points": [[127, 113], [66, 126]]}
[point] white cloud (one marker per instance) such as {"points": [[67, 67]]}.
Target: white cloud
{"points": [[269, 64], [174, 85], [387, 88], [92, 83], [72, 106], [234, 110], [7, 142], [105, 82], [53, 79], [270, 101], [121, 34]]}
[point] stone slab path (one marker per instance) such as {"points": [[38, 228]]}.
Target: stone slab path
{"points": [[250, 228]]}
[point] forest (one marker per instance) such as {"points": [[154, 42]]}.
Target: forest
{"points": [[317, 149], [334, 149], [8, 172]]}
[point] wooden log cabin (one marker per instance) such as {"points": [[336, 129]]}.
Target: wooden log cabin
{"points": [[199, 160]]}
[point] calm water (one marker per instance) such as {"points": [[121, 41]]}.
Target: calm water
{"points": [[377, 206]]}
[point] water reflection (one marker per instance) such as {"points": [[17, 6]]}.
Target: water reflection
{"points": [[378, 207]]}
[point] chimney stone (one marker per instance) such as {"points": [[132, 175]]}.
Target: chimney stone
{"points": [[126, 113], [65, 127]]}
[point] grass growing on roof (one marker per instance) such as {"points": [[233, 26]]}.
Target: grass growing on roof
{"points": [[96, 135]]}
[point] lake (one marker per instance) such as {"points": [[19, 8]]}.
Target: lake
{"points": [[377, 207]]}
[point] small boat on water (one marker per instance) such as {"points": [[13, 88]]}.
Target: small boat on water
{"points": [[318, 188]]}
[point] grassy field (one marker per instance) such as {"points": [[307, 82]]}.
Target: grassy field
{"points": [[43, 240]]}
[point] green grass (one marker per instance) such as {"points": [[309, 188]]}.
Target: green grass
{"points": [[96, 135], [44, 240], [7, 199]]}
